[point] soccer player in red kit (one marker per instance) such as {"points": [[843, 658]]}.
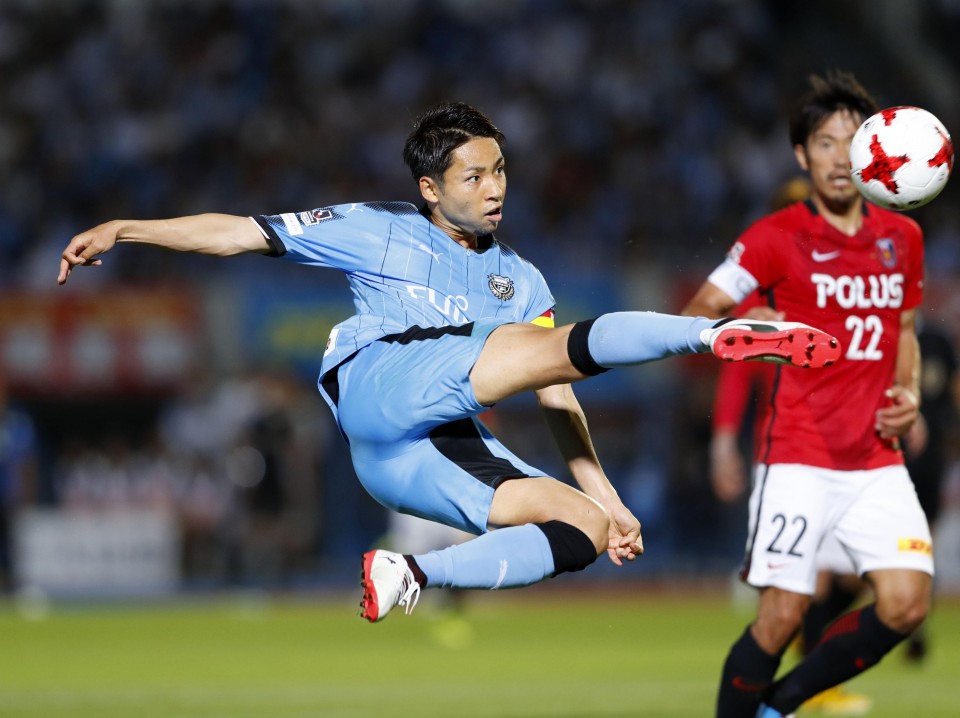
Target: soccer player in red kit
{"points": [[739, 386], [829, 452]]}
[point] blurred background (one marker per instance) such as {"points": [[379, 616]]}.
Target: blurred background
{"points": [[160, 430]]}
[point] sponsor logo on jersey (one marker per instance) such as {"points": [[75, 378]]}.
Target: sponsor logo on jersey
{"points": [[888, 252], [451, 307], [874, 291], [315, 216], [824, 256], [914, 545], [290, 222], [502, 287]]}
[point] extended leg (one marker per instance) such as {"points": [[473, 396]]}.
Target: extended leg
{"points": [[524, 357], [550, 528]]}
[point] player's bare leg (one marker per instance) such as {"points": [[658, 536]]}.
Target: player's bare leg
{"points": [[903, 597], [524, 357], [541, 499], [859, 639], [779, 617], [753, 660]]}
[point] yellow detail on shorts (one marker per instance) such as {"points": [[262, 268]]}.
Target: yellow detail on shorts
{"points": [[915, 545], [543, 321]]}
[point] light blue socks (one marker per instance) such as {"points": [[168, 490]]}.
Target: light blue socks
{"points": [[505, 558], [628, 338]]}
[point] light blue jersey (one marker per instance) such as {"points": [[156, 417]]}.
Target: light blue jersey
{"points": [[405, 403], [405, 272]]}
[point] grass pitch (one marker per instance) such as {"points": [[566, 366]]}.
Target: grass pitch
{"points": [[539, 652]]}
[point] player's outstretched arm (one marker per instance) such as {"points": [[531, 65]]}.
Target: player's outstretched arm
{"points": [[568, 425], [217, 234]]}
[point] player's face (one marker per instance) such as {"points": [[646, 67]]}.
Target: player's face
{"points": [[469, 201], [826, 156]]}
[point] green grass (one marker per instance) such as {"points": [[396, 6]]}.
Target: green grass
{"points": [[531, 653]]}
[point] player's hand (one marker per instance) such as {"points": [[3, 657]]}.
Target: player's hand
{"points": [[85, 246], [625, 541], [895, 419], [727, 471]]}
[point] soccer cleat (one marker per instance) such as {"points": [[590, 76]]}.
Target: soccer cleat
{"points": [[838, 702], [777, 342], [387, 581]]}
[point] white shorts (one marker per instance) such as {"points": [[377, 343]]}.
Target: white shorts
{"points": [[874, 516], [833, 557]]}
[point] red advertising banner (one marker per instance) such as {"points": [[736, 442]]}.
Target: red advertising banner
{"points": [[123, 341]]}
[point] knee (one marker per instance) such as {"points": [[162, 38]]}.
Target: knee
{"points": [[778, 620], [572, 548], [596, 525], [903, 609]]}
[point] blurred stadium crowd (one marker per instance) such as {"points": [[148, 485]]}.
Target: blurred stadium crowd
{"points": [[642, 137]]}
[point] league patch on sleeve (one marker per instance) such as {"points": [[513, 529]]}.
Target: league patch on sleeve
{"points": [[315, 216]]}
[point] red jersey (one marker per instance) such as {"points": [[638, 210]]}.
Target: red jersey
{"points": [[855, 288]]}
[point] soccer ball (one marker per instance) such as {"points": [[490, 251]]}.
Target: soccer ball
{"points": [[901, 158]]}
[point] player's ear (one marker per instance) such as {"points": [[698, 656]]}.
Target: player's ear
{"points": [[429, 189], [800, 152]]}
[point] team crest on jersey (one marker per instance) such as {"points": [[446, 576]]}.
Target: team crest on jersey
{"points": [[502, 287], [315, 216], [888, 252]]}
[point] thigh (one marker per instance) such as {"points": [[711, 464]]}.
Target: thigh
{"points": [[789, 515], [448, 476], [401, 387], [522, 357], [885, 528]]}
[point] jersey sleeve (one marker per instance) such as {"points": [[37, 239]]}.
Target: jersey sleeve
{"points": [[755, 261], [732, 395], [344, 237], [737, 383], [540, 308]]}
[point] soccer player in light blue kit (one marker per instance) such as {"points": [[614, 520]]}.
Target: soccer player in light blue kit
{"points": [[450, 321]]}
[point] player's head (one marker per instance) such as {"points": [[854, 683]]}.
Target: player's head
{"points": [[456, 156], [839, 91], [441, 130], [822, 125]]}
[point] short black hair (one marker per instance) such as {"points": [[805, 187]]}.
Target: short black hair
{"points": [[836, 92], [439, 131]]}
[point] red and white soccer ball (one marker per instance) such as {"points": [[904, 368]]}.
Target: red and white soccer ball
{"points": [[901, 158]]}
